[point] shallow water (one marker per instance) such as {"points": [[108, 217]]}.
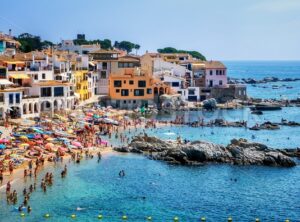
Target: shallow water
{"points": [[271, 194]]}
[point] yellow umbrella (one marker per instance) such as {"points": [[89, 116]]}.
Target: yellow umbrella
{"points": [[23, 137], [24, 144], [50, 139]]}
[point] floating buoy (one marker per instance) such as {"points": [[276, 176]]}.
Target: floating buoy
{"points": [[229, 219], [22, 214], [257, 220], [47, 215], [176, 219], [124, 217], [287, 220], [203, 219], [100, 216], [149, 218], [73, 216]]}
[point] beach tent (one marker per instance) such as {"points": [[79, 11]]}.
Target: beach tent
{"points": [[2, 146]]}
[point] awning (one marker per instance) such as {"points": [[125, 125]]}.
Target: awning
{"points": [[92, 64], [19, 76], [5, 82], [15, 62]]}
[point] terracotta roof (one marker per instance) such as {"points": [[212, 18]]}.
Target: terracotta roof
{"points": [[214, 65], [129, 58], [104, 51]]}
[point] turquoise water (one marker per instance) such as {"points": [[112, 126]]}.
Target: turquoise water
{"points": [[260, 69], [286, 137], [152, 188]]}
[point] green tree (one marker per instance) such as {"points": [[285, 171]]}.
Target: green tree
{"points": [[194, 54], [137, 47], [105, 44], [126, 45]]}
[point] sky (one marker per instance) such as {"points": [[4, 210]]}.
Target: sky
{"points": [[219, 29]]}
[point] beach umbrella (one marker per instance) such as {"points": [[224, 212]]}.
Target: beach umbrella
{"points": [[77, 144], [23, 137], [39, 141], [24, 145], [4, 140], [49, 146], [49, 139], [2, 146]]}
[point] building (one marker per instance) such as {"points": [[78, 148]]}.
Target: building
{"points": [[69, 45], [8, 45], [82, 85], [133, 88]]}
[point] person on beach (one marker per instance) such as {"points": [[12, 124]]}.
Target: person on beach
{"points": [[29, 209], [8, 186], [1, 177]]}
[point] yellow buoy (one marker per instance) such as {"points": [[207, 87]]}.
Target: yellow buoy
{"points": [[287, 220], [124, 217], [176, 219], [22, 214], [229, 219], [73, 216], [203, 219], [100, 216], [149, 218], [47, 215]]}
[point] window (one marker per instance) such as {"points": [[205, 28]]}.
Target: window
{"points": [[117, 83], [191, 92], [36, 77], [149, 91], [120, 65], [17, 97], [139, 92], [11, 98], [104, 65], [43, 76], [211, 72], [59, 91], [220, 82], [124, 81], [179, 92], [103, 75], [117, 90], [142, 83], [134, 101], [124, 101], [125, 92], [2, 73], [131, 82], [46, 92], [175, 84]]}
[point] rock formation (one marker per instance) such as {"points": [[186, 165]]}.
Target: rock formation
{"points": [[238, 152]]}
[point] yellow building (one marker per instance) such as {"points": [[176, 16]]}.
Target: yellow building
{"points": [[133, 88], [81, 84]]}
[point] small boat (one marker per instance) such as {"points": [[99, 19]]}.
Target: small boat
{"points": [[266, 107]]}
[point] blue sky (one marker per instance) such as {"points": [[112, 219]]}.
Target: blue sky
{"points": [[220, 29]]}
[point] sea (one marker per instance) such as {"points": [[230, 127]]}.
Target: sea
{"points": [[162, 191]]}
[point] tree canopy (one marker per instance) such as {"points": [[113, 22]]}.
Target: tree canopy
{"points": [[194, 54], [126, 45], [31, 42], [105, 44]]}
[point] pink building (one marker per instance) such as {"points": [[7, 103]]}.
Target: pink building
{"points": [[215, 74]]}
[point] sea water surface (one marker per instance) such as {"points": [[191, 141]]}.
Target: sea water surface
{"points": [[260, 69], [152, 188]]}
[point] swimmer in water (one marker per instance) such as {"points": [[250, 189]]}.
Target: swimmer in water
{"points": [[80, 209]]}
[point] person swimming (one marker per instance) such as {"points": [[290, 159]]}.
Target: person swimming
{"points": [[80, 209]]}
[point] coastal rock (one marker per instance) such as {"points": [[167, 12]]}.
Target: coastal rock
{"points": [[238, 152]]}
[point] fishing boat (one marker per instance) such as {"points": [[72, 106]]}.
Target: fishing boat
{"points": [[266, 107]]}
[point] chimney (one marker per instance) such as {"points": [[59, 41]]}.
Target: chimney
{"points": [[9, 32]]}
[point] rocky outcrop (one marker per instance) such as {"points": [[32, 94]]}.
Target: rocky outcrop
{"points": [[238, 152]]}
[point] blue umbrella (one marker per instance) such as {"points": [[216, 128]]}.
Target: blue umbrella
{"points": [[2, 146]]}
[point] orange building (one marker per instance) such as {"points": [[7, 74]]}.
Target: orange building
{"points": [[133, 88]]}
